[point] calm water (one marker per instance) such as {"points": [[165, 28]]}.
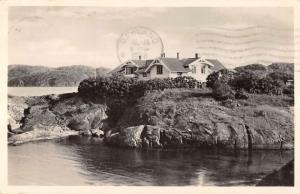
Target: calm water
{"points": [[86, 161], [39, 91]]}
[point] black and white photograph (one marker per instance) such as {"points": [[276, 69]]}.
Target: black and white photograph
{"points": [[150, 96]]}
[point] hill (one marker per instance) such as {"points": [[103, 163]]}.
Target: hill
{"points": [[262, 70], [27, 75]]}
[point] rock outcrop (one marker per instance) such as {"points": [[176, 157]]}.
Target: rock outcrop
{"points": [[204, 122], [48, 117], [167, 119]]}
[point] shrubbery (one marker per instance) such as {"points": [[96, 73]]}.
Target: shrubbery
{"points": [[222, 91], [119, 87], [251, 79], [225, 76]]}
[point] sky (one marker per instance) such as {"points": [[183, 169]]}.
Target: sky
{"points": [[60, 36]]}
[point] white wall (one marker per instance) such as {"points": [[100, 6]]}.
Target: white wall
{"points": [[153, 73], [141, 77], [199, 75]]}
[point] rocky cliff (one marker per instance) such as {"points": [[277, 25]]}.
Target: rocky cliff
{"points": [[178, 118], [48, 117], [161, 119]]}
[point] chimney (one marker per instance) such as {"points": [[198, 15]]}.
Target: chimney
{"points": [[163, 54], [140, 57], [196, 55], [177, 55]]}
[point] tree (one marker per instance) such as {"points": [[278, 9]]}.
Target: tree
{"points": [[222, 91], [225, 76]]}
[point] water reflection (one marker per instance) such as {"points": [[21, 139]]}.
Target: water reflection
{"points": [[91, 162]]}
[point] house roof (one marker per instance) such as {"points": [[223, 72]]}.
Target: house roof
{"points": [[139, 63], [144, 67], [174, 64], [187, 61], [217, 64]]}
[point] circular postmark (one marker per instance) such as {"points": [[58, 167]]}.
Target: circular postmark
{"points": [[139, 42]]}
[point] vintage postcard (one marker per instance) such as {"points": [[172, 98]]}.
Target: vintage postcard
{"points": [[149, 97]]}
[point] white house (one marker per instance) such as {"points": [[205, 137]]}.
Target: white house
{"points": [[163, 67]]}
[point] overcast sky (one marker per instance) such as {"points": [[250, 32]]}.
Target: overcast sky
{"points": [[59, 36]]}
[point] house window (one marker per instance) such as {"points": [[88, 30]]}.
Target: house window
{"points": [[194, 69], [159, 69], [203, 69], [129, 70], [144, 74], [179, 73]]}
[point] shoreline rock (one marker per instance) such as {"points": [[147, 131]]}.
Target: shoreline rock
{"points": [[46, 117], [195, 121], [170, 122], [41, 133]]}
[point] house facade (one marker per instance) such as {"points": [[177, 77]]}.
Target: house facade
{"points": [[164, 67]]}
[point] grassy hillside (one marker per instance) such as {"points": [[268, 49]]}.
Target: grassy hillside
{"points": [[26, 75]]}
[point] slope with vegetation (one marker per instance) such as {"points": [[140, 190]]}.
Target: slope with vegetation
{"points": [[26, 75]]}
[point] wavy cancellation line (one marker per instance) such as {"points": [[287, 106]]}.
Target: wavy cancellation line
{"points": [[246, 38], [238, 33], [250, 35], [248, 28], [265, 55], [282, 32], [247, 49], [247, 42]]}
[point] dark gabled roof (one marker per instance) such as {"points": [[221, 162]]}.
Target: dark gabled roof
{"points": [[144, 67], [174, 64], [139, 63], [187, 61], [217, 64], [119, 68], [115, 70]]}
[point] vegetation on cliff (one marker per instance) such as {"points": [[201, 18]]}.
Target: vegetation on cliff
{"points": [[255, 79]]}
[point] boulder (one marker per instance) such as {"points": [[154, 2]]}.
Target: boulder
{"points": [[129, 137], [151, 136], [34, 118], [97, 133], [85, 132], [41, 132]]}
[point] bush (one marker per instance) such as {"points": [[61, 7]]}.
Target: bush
{"points": [[241, 94], [119, 87], [289, 90], [281, 76], [225, 76], [247, 81], [185, 82], [268, 85], [222, 91]]}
